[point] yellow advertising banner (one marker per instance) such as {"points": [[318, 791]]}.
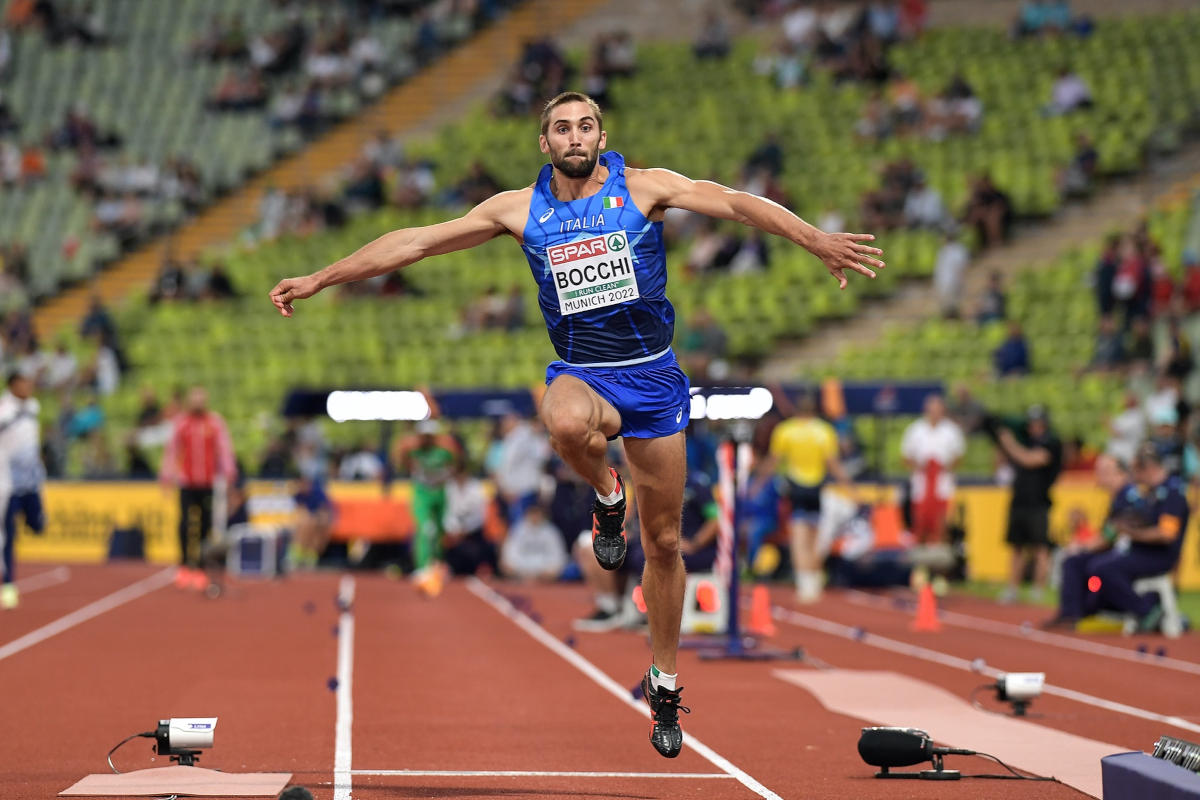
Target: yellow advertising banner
{"points": [[80, 519]]}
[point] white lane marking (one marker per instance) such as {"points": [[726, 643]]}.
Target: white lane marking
{"points": [[345, 697], [1033, 634], [44, 580], [94, 609], [496, 601], [512, 773], [916, 651]]}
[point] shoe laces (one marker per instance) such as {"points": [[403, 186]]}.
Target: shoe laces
{"points": [[668, 705]]}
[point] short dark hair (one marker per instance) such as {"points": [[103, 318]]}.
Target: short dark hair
{"points": [[570, 97]]}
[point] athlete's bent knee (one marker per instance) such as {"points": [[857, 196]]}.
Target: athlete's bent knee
{"points": [[568, 427], [662, 545]]}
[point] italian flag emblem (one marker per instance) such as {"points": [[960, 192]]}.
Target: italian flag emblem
{"points": [[614, 202]]}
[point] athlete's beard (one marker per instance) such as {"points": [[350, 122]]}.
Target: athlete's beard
{"points": [[576, 169]]}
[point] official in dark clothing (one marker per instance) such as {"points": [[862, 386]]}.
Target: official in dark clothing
{"points": [[1155, 540], [1036, 457], [1076, 599]]}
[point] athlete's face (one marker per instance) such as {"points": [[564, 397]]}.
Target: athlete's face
{"points": [[573, 140]]}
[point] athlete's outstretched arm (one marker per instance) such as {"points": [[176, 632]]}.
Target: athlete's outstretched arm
{"points": [[839, 251], [406, 246]]}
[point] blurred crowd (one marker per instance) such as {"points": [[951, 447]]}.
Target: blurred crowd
{"points": [[296, 73]]}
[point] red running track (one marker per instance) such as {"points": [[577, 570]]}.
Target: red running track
{"points": [[455, 686]]}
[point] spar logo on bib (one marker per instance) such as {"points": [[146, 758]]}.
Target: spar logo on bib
{"points": [[593, 273]]}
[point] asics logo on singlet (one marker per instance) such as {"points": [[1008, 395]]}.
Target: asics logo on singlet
{"points": [[549, 213]]}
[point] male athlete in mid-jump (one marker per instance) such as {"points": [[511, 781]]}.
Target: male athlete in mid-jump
{"points": [[591, 229]]}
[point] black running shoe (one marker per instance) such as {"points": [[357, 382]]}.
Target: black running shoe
{"points": [[665, 733], [608, 530]]}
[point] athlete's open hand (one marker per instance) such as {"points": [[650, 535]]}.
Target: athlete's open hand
{"points": [[847, 251], [291, 289]]}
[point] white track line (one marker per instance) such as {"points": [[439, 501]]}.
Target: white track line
{"points": [[471, 773], [44, 580], [93, 609], [345, 697], [1033, 634], [937, 657], [496, 601]]}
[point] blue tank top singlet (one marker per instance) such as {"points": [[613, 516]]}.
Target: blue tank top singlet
{"points": [[602, 273]]}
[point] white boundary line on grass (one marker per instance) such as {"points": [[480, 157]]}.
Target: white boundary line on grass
{"points": [[91, 610], [345, 696], [44, 580], [937, 657], [512, 773], [1033, 634], [496, 601]]}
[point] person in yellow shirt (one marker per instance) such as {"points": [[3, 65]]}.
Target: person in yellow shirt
{"points": [[804, 453]]}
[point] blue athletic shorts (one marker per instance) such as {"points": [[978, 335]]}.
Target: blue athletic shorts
{"points": [[653, 399]]}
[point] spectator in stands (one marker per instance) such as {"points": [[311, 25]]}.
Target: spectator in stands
{"points": [[312, 524], [1105, 273], [702, 344], [1042, 16], [1177, 360], [1109, 351], [476, 186], [1077, 178], [768, 157], [534, 548], [466, 547], [239, 90], [8, 118], [60, 370], [949, 271], [1161, 284], [990, 211], [1012, 356], [875, 123], [932, 448], [199, 454], [1127, 430], [1036, 458], [956, 110], [1140, 344], [715, 37], [1069, 93], [1131, 285], [1190, 287], [923, 207]]}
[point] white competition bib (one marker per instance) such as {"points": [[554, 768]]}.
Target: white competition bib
{"points": [[593, 273]]}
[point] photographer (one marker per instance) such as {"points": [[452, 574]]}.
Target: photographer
{"points": [[1036, 459]]}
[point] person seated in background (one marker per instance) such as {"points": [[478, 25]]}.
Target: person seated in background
{"points": [[313, 523], [990, 211], [534, 549], [698, 544], [1151, 512], [1012, 356], [465, 548]]}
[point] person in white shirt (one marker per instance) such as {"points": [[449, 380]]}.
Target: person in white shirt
{"points": [[21, 472], [932, 447], [1127, 430], [534, 549], [465, 547], [521, 466]]}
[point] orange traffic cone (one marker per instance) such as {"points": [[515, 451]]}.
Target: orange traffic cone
{"points": [[927, 615], [761, 623]]}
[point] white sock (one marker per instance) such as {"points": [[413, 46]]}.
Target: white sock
{"points": [[662, 680], [614, 498], [608, 603]]}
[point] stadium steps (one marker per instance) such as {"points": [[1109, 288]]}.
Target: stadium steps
{"points": [[1111, 208], [404, 108]]}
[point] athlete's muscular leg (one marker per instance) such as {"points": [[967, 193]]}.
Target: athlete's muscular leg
{"points": [[579, 422], [659, 469]]}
